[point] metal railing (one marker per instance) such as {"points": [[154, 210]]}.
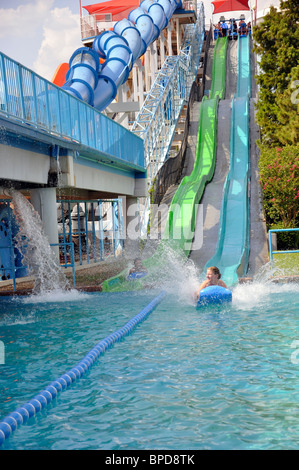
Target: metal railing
{"points": [[94, 227], [93, 25], [34, 101], [157, 119], [68, 263], [272, 252], [90, 231]]}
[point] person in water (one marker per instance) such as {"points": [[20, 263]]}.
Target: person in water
{"points": [[138, 267], [213, 279]]}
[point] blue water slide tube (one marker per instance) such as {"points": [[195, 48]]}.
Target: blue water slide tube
{"points": [[82, 77], [115, 71], [97, 85], [144, 25]]}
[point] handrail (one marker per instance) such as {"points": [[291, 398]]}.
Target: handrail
{"points": [[32, 100], [270, 241], [13, 265], [21, 415]]}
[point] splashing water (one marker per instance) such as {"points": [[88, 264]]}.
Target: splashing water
{"points": [[180, 277], [34, 246], [254, 295], [175, 274]]}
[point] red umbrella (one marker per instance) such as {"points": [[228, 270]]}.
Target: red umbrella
{"points": [[229, 5], [112, 6]]}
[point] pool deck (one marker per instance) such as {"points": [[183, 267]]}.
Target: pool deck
{"points": [[275, 279], [6, 287]]}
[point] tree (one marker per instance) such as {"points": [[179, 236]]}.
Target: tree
{"points": [[288, 110], [279, 178], [276, 44]]}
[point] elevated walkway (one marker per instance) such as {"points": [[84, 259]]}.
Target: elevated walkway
{"points": [[50, 138]]}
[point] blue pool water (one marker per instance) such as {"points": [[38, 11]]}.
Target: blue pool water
{"points": [[217, 378]]}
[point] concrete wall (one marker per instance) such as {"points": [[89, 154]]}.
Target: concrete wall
{"points": [[32, 168], [23, 165]]}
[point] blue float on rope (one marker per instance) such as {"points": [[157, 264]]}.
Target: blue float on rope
{"points": [[41, 400], [213, 295]]}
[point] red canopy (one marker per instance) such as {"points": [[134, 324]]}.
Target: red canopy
{"points": [[112, 6], [221, 6]]}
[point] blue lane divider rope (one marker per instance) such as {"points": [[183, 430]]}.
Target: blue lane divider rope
{"points": [[42, 399]]}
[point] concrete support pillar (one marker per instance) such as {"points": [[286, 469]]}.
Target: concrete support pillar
{"points": [[44, 202], [140, 82], [169, 40], [162, 49]]}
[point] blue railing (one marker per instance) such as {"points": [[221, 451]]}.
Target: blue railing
{"points": [[65, 248], [280, 251], [95, 227], [90, 231], [32, 100]]}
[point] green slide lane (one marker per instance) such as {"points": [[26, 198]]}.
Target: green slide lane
{"points": [[181, 221], [232, 250], [219, 69], [180, 224]]}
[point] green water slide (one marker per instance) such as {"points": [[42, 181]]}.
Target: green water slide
{"points": [[232, 250], [181, 220], [219, 69]]}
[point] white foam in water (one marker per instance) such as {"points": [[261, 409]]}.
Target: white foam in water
{"points": [[253, 294], [250, 295], [55, 296], [13, 320]]}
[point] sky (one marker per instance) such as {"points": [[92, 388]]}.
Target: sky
{"points": [[41, 34]]}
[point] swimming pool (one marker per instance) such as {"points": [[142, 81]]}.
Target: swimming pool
{"points": [[220, 378]]}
